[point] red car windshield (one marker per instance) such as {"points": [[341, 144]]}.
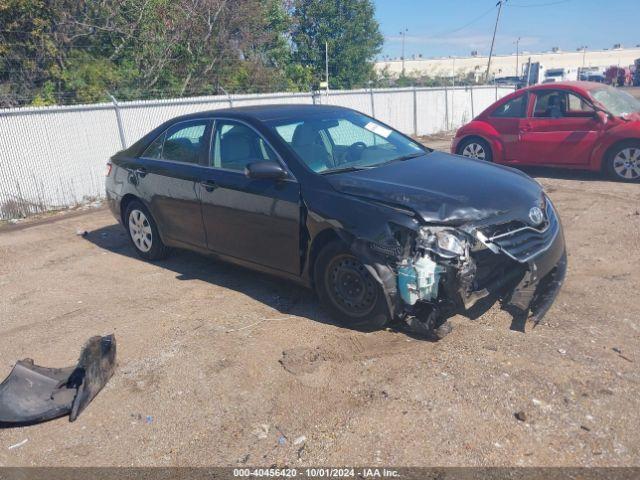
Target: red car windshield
{"points": [[617, 102]]}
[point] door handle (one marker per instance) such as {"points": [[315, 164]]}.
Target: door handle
{"points": [[208, 185], [141, 172], [525, 127]]}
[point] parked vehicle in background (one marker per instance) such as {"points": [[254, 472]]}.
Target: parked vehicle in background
{"points": [[578, 125], [552, 75], [381, 226], [592, 74], [636, 74], [618, 76], [533, 73]]}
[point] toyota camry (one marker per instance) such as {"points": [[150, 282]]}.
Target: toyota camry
{"points": [[380, 226]]}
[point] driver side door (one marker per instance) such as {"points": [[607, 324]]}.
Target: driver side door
{"points": [[562, 129], [255, 220]]}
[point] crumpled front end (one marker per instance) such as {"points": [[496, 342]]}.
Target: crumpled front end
{"points": [[442, 270]]}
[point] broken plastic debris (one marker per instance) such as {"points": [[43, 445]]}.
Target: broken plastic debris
{"points": [[20, 444], [32, 394]]}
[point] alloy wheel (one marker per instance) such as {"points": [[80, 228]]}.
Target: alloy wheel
{"points": [[626, 163], [140, 230], [474, 150]]}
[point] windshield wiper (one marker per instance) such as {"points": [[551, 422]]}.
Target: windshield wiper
{"points": [[408, 157], [343, 170]]}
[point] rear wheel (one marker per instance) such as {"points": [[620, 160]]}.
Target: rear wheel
{"points": [[478, 148], [623, 162], [143, 232], [347, 289]]}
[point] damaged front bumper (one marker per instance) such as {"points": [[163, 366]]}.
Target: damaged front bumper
{"points": [[450, 269]]}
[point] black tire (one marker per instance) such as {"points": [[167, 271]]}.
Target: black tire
{"points": [[622, 162], [143, 233], [348, 291], [483, 144]]}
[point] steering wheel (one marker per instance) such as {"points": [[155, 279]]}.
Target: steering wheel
{"points": [[354, 152]]}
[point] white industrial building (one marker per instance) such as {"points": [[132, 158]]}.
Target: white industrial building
{"points": [[509, 65]]}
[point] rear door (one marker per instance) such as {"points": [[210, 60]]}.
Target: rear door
{"points": [[506, 120], [167, 174], [562, 129], [250, 219]]}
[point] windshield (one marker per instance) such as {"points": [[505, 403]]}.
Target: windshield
{"points": [[343, 140], [617, 102]]}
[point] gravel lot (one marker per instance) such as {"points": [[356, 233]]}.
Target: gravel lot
{"points": [[222, 366]]}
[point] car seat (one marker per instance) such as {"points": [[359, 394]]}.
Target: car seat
{"points": [[308, 144]]}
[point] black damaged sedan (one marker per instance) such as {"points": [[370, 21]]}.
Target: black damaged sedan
{"points": [[380, 226]]}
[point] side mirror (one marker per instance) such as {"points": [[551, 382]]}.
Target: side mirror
{"points": [[602, 117], [266, 170]]}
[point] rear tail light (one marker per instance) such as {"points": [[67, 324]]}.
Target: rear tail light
{"points": [[107, 172]]}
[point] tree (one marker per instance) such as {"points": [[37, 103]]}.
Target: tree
{"points": [[351, 31]]}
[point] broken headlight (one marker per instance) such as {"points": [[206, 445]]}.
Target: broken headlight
{"points": [[444, 242]]}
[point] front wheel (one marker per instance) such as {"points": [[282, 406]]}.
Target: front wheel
{"points": [[623, 162], [143, 232], [475, 148], [347, 289]]}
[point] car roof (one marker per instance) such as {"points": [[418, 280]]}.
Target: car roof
{"points": [[264, 112], [570, 85]]}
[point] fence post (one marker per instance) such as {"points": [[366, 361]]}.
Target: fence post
{"points": [[116, 107], [446, 108], [472, 114], [415, 111], [373, 108], [229, 99]]}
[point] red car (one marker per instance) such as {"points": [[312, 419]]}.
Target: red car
{"points": [[580, 125]]}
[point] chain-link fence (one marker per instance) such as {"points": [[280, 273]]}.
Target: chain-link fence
{"points": [[54, 157]]}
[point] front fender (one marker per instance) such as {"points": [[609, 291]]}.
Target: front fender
{"points": [[486, 132]]}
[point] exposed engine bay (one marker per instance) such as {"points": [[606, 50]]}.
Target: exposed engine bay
{"points": [[443, 270]]}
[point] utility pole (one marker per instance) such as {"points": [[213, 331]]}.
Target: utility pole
{"points": [[499, 5], [584, 52], [517, 42], [404, 35]]}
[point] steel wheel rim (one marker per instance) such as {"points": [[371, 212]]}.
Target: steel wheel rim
{"points": [[140, 230], [474, 150], [626, 163], [350, 286]]}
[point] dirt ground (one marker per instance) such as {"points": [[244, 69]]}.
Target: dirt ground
{"points": [[222, 366]]}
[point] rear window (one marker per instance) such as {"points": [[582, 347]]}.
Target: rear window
{"points": [[514, 108]]}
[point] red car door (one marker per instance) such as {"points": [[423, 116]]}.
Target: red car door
{"points": [[506, 118], [561, 129]]}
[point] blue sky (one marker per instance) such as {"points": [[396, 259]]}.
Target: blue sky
{"points": [[454, 27]]}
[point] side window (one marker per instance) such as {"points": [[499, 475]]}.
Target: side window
{"points": [[578, 106], [235, 145], [514, 108], [155, 149], [185, 141], [559, 104]]}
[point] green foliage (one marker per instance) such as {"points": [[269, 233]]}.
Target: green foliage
{"points": [[75, 51], [351, 33]]}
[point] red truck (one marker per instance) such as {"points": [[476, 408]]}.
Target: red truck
{"points": [[618, 76]]}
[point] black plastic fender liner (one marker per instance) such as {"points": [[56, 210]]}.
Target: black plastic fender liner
{"points": [[32, 394]]}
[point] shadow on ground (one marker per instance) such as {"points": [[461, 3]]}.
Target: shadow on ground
{"points": [[286, 297], [564, 174]]}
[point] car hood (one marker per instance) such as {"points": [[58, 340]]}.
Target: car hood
{"points": [[446, 189]]}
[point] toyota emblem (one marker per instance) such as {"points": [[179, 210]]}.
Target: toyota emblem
{"points": [[536, 216]]}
